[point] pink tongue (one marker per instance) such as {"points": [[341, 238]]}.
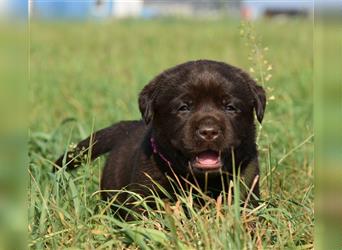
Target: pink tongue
{"points": [[208, 158]]}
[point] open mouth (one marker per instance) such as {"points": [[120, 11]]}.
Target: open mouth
{"points": [[207, 160]]}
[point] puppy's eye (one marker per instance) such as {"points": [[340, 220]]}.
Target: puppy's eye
{"points": [[184, 108], [230, 108]]}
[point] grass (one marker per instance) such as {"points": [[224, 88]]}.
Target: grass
{"points": [[85, 76]]}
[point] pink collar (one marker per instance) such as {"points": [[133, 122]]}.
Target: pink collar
{"points": [[155, 151]]}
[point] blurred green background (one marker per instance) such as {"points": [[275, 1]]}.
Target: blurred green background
{"points": [[95, 70]]}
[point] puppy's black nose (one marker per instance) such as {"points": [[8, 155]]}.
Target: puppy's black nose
{"points": [[208, 133]]}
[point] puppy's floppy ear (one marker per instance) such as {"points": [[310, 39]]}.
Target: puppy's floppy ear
{"points": [[259, 100], [259, 95], [149, 94], [146, 101]]}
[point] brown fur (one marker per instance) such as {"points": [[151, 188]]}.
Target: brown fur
{"points": [[190, 108]]}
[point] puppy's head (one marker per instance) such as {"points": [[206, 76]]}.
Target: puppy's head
{"points": [[201, 110]]}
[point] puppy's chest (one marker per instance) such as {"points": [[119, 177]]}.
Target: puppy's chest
{"points": [[148, 173]]}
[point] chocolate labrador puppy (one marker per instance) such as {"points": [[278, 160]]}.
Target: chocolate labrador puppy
{"points": [[198, 123]]}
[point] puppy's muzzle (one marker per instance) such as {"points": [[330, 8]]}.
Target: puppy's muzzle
{"points": [[208, 130], [208, 133]]}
